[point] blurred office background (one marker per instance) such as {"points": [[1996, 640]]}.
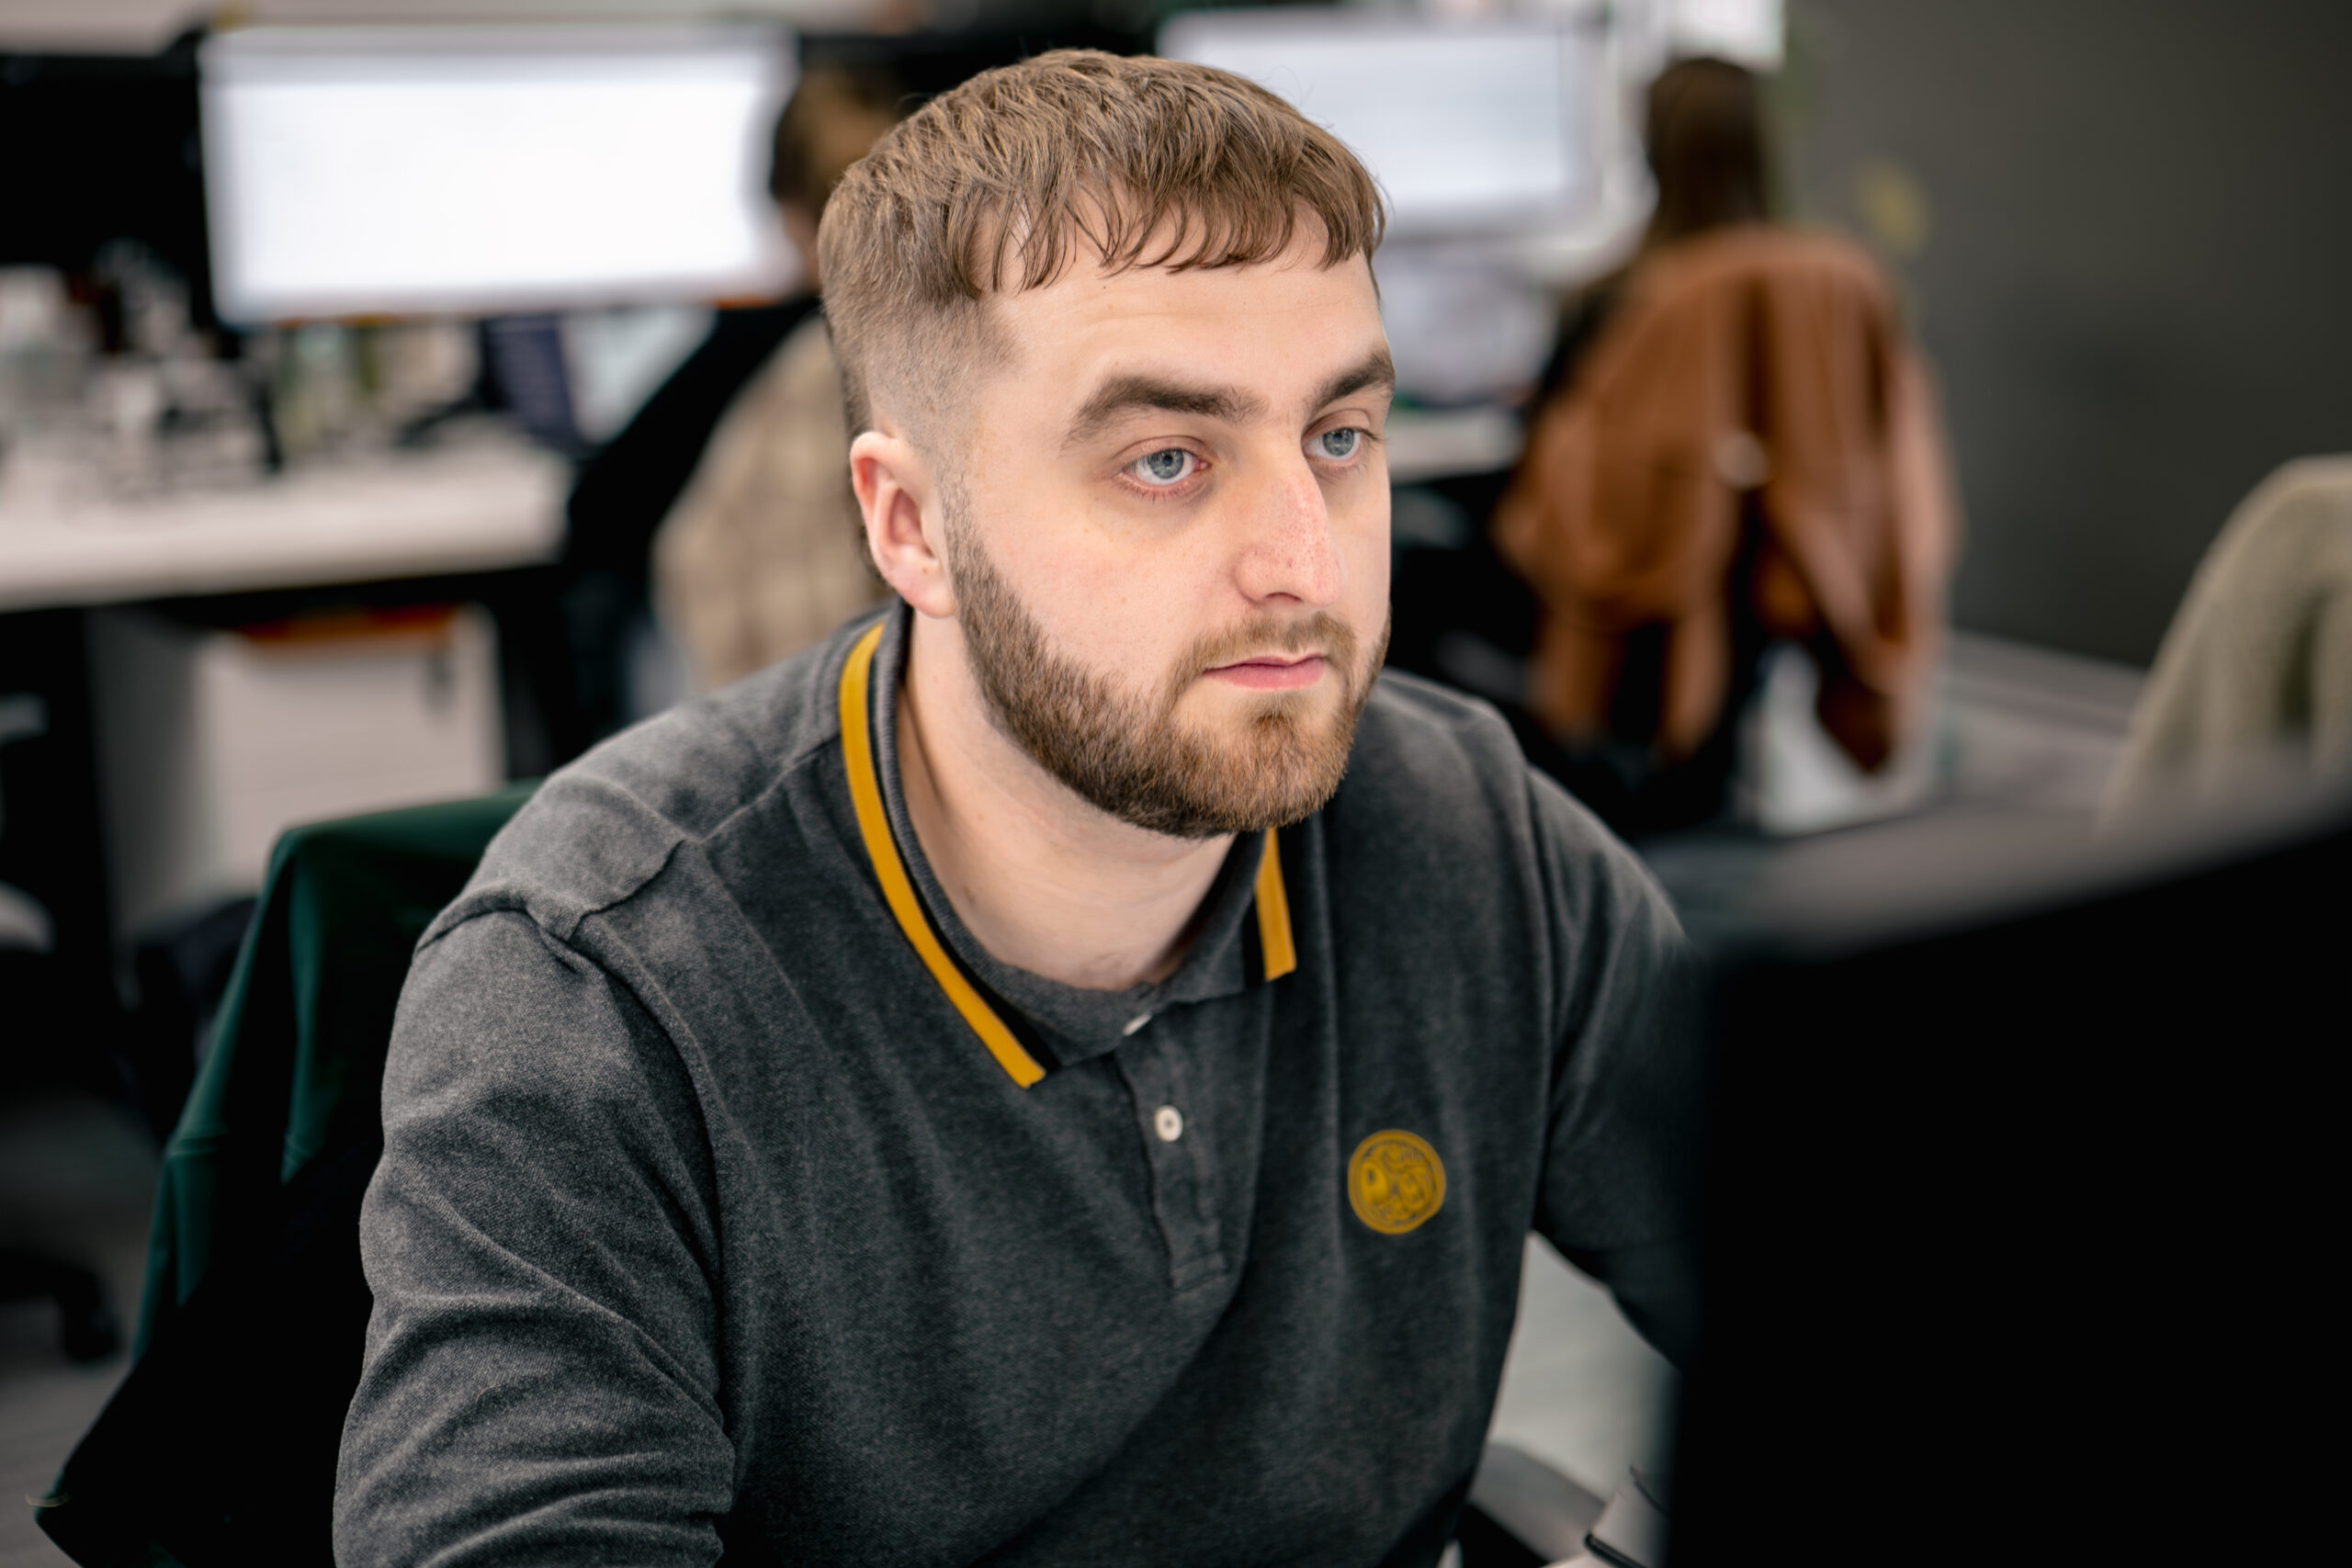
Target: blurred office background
{"points": [[313, 314]]}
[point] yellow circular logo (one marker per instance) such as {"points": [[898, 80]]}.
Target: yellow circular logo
{"points": [[1395, 1181]]}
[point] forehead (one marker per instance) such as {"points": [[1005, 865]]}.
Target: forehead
{"points": [[1279, 327]]}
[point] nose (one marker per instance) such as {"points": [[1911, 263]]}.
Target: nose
{"points": [[1290, 554]]}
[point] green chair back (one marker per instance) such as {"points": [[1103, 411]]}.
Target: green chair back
{"points": [[296, 1060]]}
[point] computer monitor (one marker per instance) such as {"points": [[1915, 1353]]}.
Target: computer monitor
{"points": [[2022, 1188], [1468, 125], [476, 170]]}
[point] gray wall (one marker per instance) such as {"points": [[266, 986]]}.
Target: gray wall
{"points": [[2135, 275]]}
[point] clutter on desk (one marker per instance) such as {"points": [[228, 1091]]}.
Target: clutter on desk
{"points": [[172, 411], [108, 393]]}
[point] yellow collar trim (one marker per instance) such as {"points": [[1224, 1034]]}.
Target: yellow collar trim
{"points": [[1273, 912], [1280, 954]]}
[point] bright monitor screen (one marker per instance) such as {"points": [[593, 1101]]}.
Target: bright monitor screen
{"points": [[393, 170], [1465, 124]]}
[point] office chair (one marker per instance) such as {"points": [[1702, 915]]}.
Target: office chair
{"points": [[221, 1445]]}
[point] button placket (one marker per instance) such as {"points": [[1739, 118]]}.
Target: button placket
{"points": [[1171, 1151]]}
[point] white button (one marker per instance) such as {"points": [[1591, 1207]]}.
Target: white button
{"points": [[1135, 1023], [1169, 1123]]}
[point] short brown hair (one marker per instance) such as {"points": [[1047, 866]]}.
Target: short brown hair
{"points": [[1151, 163]]}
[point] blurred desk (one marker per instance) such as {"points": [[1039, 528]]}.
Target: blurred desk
{"points": [[471, 508], [134, 740], [432, 513]]}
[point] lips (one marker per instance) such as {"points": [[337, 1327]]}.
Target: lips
{"points": [[1273, 672], [1273, 662]]}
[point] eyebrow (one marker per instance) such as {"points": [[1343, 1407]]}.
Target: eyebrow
{"points": [[1129, 394], [1375, 370], [1123, 395]]}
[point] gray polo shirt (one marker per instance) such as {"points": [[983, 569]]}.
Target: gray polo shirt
{"points": [[708, 1223]]}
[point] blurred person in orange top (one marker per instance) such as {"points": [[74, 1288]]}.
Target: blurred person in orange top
{"points": [[1734, 443]]}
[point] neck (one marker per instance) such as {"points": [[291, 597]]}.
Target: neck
{"points": [[1045, 881]]}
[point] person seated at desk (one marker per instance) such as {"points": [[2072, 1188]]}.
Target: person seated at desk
{"points": [[729, 488], [1062, 1071], [1736, 445]]}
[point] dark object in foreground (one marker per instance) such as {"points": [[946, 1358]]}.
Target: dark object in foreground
{"points": [[86, 1329], [2019, 1212], [220, 1446], [256, 1367]]}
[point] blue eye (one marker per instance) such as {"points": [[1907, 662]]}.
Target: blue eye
{"points": [[1339, 445], [1171, 465]]}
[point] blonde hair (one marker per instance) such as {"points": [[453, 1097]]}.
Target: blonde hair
{"points": [[987, 189]]}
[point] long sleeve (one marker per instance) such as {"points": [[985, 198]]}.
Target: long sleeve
{"points": [[1620, 1148], [542, 1377]]}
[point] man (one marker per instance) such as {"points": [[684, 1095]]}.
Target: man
{"points": [[1062, 1073]]}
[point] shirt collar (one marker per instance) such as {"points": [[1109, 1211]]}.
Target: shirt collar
{"points": [[1054, 1024]]}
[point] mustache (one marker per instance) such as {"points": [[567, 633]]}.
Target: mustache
{"points": [[1321, 632]]}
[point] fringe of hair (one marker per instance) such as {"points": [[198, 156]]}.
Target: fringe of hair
{"points": [[995, 187]]}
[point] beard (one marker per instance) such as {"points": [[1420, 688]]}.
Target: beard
{"points": [[1128, 754]]}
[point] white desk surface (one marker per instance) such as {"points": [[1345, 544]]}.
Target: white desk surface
{"points": [[470, 508]]}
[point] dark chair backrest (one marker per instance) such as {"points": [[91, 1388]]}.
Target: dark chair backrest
{"points": [[220, 1446]]}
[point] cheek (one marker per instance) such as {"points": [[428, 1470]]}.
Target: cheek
{"points": [[1105, 604], [1146, 612], [1115, 615], [1364, 547]]}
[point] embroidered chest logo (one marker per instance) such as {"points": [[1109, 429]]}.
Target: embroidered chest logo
{"points": [[1395, 1181]]}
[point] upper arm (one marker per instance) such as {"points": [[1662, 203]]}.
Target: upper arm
{"points": [[541, 1379], [1620, 1148]]}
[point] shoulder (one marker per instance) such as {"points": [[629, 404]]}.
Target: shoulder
{"points": [[601, 828], [2287, 544], [1420, 742], [491, 999], [1438, 770], [808, 353], [2303, 508], [1443, 838], [808, 390], [1751, 255], [797, 377]]}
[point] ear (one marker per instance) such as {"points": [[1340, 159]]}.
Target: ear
{"points": [[905, 523]]}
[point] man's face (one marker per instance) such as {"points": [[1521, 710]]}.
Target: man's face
{"points": [[1168, 535]]}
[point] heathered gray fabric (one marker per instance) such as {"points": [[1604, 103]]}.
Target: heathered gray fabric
{"points": [[706, 1226]]}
